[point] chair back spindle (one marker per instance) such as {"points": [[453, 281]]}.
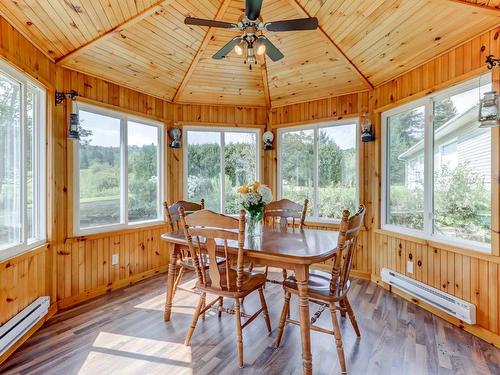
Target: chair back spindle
{"points": [[285, 209], [346, 245], [214, 230]]}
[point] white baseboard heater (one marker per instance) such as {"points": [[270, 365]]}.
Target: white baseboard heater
{"points": [[460, 309], [16, 327]]}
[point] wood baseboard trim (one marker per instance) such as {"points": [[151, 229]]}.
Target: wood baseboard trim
{"points": [[475, 330], [27, 335], [82, 297]]}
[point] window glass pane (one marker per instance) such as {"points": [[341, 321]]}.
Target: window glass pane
{"points": [[405, 168], [204, 168], [297, 166], [337, 170], [99, 166], [143, 181], [30, 166], [240, 166], [462, 169], [10, 167]]}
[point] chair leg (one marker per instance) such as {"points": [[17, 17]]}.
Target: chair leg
{"points": [[196, 315], [284, 273], [343, 309], [350, 312], [250, 267], [264, 309], [239, 334], [177, 280], [202, 307], [338, 337], [282, 323], [221, 305]]}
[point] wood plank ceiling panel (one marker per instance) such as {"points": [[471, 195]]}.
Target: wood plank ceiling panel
{"points": [[385, 38], [153, 55], [312, 67], [227, 81], [58, 27]]}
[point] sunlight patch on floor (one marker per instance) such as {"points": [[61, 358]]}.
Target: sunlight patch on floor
{"points": [[136, 354]]}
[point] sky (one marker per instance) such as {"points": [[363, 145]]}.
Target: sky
{"points": [[200, 137], [106, 131]]}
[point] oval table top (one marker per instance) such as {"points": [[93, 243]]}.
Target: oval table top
{"points": [[305, 246]]}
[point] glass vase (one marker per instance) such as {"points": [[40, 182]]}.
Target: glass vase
{"points": [[254, 225]]}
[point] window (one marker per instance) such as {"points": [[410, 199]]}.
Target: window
{"points": [[437, 167], [22, 170], [118, 174], [208, 153], [320, 163]]}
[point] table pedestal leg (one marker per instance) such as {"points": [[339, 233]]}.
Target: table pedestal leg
{"points": [[170, 281], [302, 275]]}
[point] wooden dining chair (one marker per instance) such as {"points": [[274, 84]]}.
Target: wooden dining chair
{"points": [[222, 280], [283, 213], [329, 289], [172, 218]]}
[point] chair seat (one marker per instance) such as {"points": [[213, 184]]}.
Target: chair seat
{"points": [[251, 281], [188, 263], [318, 286]]}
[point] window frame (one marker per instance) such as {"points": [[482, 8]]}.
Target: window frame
{"points": [[124, 197], [428, 103], [39, 166], [222, 130], [316, 127]]}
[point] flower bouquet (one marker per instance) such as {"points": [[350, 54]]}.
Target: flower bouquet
{"points": [[253, 198]]}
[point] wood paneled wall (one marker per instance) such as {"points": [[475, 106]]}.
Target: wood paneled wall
{"points": [[461, 272]]}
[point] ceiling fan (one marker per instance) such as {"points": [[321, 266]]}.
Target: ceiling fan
{"points": [[252, 41]]}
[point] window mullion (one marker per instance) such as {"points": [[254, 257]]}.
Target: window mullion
{"points": [[124, 171], [316, 173], [23, 141], [222, 175], [428, 167]]}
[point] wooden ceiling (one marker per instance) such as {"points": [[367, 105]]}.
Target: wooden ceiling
{"points": [[145, 45]]}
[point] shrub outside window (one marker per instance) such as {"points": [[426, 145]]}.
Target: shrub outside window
{"points": [[210, 151], [320, 163]]}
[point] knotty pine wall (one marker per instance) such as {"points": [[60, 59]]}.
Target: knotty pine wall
{"points": [[460, 272]]}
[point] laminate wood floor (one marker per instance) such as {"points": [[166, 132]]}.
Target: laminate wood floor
{"points": [[123, 332]]}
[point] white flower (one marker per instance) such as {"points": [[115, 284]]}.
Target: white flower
{"points": [[265, 193]]}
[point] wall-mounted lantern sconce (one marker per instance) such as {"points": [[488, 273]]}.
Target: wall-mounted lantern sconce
{"points": [[268, 138], [74, 122], [175, 134], [366, 128], [489, 113]]}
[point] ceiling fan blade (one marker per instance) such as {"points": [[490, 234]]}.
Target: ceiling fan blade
{"points": [[271, 50], [210, 23], [252, 9], [220, 54], [291, 25]]}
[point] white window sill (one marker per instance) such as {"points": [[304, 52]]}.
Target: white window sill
{"points": [[117, 227], [15, 251], [437, 240]]}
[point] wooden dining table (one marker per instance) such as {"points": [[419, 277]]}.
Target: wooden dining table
{"points": [[289, 248]]}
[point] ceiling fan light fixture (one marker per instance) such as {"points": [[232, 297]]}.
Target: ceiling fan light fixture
{"points": [[239, 49], [260, 48]]}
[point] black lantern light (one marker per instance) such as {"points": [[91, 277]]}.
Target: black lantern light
{"points": [[74, 122]]}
